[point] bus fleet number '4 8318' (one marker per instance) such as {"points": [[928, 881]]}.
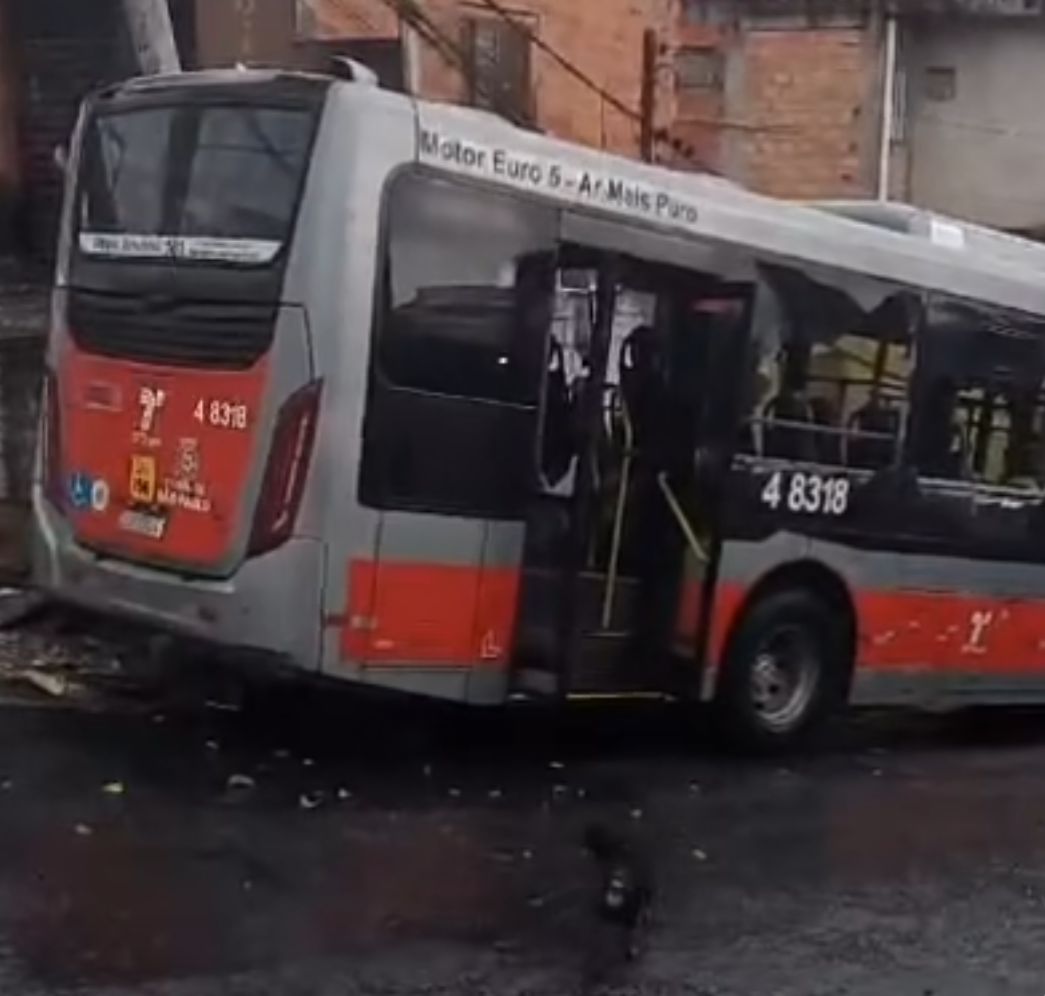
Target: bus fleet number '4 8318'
{"points": [[807, 494], [221, 414]]}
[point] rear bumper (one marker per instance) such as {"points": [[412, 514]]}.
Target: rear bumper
{"points": [[272, 604]]}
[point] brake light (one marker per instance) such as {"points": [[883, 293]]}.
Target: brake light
{"points": [[287, 470], [51, 464]]}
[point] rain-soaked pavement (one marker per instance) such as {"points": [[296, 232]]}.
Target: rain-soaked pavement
{"points": [[367, 848]]}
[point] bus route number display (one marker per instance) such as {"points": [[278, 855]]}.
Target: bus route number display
{"points": [[807, 494]]}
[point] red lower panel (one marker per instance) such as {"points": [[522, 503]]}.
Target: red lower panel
{"points": [[932, 630], [940, 631], [429, 614], [436, 614]]}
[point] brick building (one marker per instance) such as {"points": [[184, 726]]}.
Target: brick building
{"points": [[788, 105], [785, 96]]}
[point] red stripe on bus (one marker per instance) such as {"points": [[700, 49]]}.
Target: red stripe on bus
{"points": [[903, 629], [437, 614], [951, 631], [429, 614]]}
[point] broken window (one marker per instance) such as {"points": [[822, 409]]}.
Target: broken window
{"points": [[979, 407], [832, 382]]}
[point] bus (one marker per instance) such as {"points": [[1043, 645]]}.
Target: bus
{"points": [[395, 393]]}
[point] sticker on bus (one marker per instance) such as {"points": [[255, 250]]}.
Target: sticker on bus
{"points": [[142, 484]]}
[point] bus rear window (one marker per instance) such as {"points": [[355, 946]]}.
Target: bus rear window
{"points": [[195, 182]]}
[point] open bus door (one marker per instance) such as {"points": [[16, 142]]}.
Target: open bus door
{"points": [[622, 539]]}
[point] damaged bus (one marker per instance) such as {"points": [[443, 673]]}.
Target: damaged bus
{"points": [[394, 393]]}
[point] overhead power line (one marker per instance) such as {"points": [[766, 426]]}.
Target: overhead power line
{"points": [[454, 54], [449, 49], [581, 76]]}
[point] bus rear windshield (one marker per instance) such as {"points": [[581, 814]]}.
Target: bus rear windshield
{"points": [[195, 182]]}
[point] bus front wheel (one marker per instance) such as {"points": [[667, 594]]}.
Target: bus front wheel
{"points": [[784, 671]]}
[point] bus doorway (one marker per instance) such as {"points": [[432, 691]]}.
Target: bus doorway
{"points": [[637, 426]]}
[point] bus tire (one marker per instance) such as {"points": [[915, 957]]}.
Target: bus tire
{"points": [[785, 671]]}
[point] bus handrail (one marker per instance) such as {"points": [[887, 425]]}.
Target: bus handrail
{"points": [[613, 568], [696, 547]]}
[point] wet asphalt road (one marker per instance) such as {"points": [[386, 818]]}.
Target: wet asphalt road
{"points": [[440, 855]]}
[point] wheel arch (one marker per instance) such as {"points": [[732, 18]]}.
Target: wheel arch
{"points": [[806, 574]]}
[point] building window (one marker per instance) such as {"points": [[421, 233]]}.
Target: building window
{"points": [[699, 69], [499, 70], [941, 83]]}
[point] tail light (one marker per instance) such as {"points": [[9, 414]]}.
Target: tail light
{"points": [[287, 470], [51, 463]]}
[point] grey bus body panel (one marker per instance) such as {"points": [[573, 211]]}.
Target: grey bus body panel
{"points": [[272, 604]]}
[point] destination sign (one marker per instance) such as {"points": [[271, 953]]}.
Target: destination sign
{"points": [[555, 178]]}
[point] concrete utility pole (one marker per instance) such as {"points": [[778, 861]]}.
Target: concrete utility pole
{"points": [[10, 153], [153, 35]]}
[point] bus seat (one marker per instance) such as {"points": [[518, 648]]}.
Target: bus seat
{"points": [[828, 443], [789, 441], [872, 434], [640, 380]]}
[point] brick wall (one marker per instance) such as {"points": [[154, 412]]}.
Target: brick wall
{"points": [[603, 38], [812, 94], [259, 32], [66, 50], [790, 106]]}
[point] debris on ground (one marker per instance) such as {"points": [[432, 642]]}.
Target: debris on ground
{"points": [[83, 830], [699, 855], [240, 783], [310, 800], [65, 657], [57, 686], [17, 605], [114, 788]]}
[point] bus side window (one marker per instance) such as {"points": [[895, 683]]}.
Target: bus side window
{"points": [[979, 406], [460, 350], [834, 386]]}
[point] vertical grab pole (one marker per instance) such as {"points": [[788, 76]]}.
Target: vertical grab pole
{"points": [[618, 520], [591, 418]]}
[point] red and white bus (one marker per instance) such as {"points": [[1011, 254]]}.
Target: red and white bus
{"points": [[395, 393]]}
